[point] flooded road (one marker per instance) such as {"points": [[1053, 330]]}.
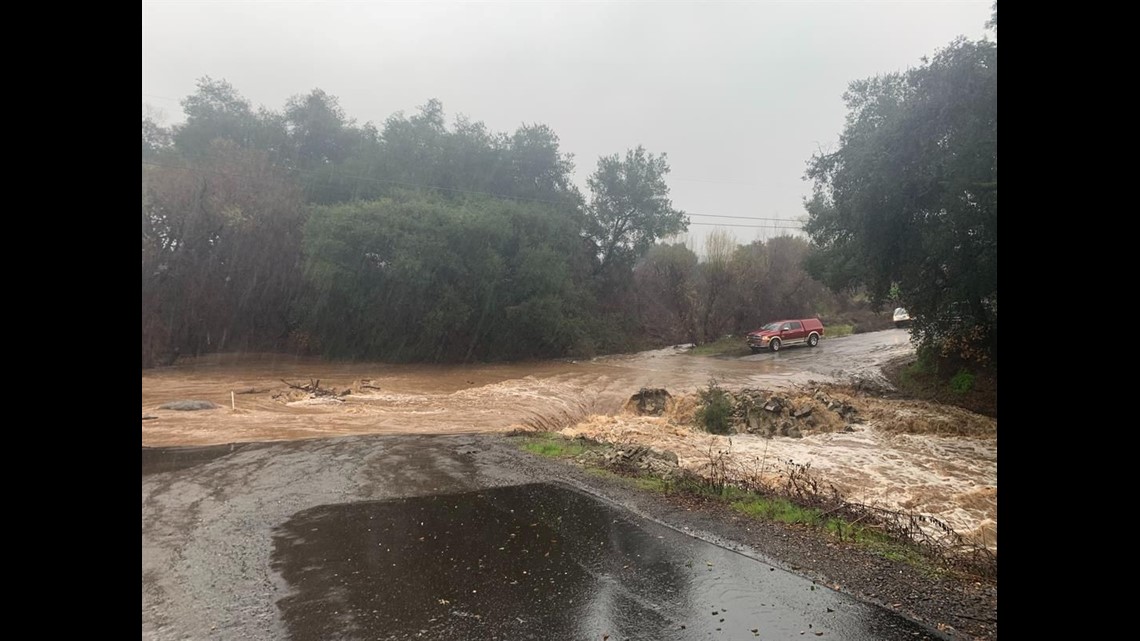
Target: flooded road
{"points": [[391, 399], [448, 538], [951, 478]]}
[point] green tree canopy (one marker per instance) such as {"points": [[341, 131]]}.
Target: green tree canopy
{"points": [[319, 131], [221, 250], [630, 207], [422, 277], [909, 199]]}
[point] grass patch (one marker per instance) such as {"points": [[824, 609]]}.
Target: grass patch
{"points": [[836, 331], [777, 509], [554, 446], [748, 502], [857, 533], [727, 346], [653, 484], [962, 382], [784, 511]]}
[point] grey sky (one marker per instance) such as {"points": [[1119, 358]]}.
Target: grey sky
{"points": [[738, 94]]}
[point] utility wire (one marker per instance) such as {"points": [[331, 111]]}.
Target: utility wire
{"points": [[150, 95], [749, 226], [786, 220]]}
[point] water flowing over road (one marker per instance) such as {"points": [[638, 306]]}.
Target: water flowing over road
{"points": [[951, 478], [283, 514], [404, 399]]}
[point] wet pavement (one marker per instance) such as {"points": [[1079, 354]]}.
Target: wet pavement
{"points": [[171, 459], [539, 561], [448, 537]]}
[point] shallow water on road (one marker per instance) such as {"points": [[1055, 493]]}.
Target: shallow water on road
{"points": [[540, 562]]}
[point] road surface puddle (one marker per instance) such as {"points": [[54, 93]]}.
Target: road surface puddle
{"points": [[540, 562], [171, 459]]}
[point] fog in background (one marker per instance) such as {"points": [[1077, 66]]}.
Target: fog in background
{"points": [[739, 95]]}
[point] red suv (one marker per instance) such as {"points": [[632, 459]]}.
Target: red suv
{"points": [[774, 336]]}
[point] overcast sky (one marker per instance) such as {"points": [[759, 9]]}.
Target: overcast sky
{"points": [[739, 95]]}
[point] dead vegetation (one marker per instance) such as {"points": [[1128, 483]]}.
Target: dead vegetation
{"points": [[758, 481], [870, 466], [312, 391]]}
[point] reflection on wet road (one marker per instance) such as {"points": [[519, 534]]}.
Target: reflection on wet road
{"points": [[458, 537], [539, 561]]}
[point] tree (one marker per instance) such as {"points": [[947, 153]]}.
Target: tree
{"points": [[770, 282], [909, 200], [221, 245], [318, 128], [413, 148], [666, 281], [155, 138], [425, 277], [716, 277], [630, 207], [217, 110], [538, 169]]}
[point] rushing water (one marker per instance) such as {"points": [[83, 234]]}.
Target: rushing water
{"points": [[952, 478]]}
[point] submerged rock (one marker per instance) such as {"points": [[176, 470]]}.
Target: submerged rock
{"points": [[188, 406], [651, 401]]}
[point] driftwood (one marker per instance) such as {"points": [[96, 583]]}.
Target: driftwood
{"points": [[252, 390], [312, 387]]}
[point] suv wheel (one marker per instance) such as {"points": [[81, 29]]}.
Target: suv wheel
{"points": [[813, 340], [774, 345]]}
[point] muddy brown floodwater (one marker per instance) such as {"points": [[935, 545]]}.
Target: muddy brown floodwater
{"points": [[953, 478]]}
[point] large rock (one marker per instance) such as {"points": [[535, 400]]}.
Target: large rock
{"points": [[651, 401], [661, 463]]}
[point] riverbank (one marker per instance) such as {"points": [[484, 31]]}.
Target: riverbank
{"points": [[847, 557]]}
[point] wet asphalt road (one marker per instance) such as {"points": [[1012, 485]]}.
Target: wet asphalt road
{"points": [[447, 537]]}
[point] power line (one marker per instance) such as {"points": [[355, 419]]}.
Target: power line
{"points": [[749, 226], [788, 220], [150, 95]]}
